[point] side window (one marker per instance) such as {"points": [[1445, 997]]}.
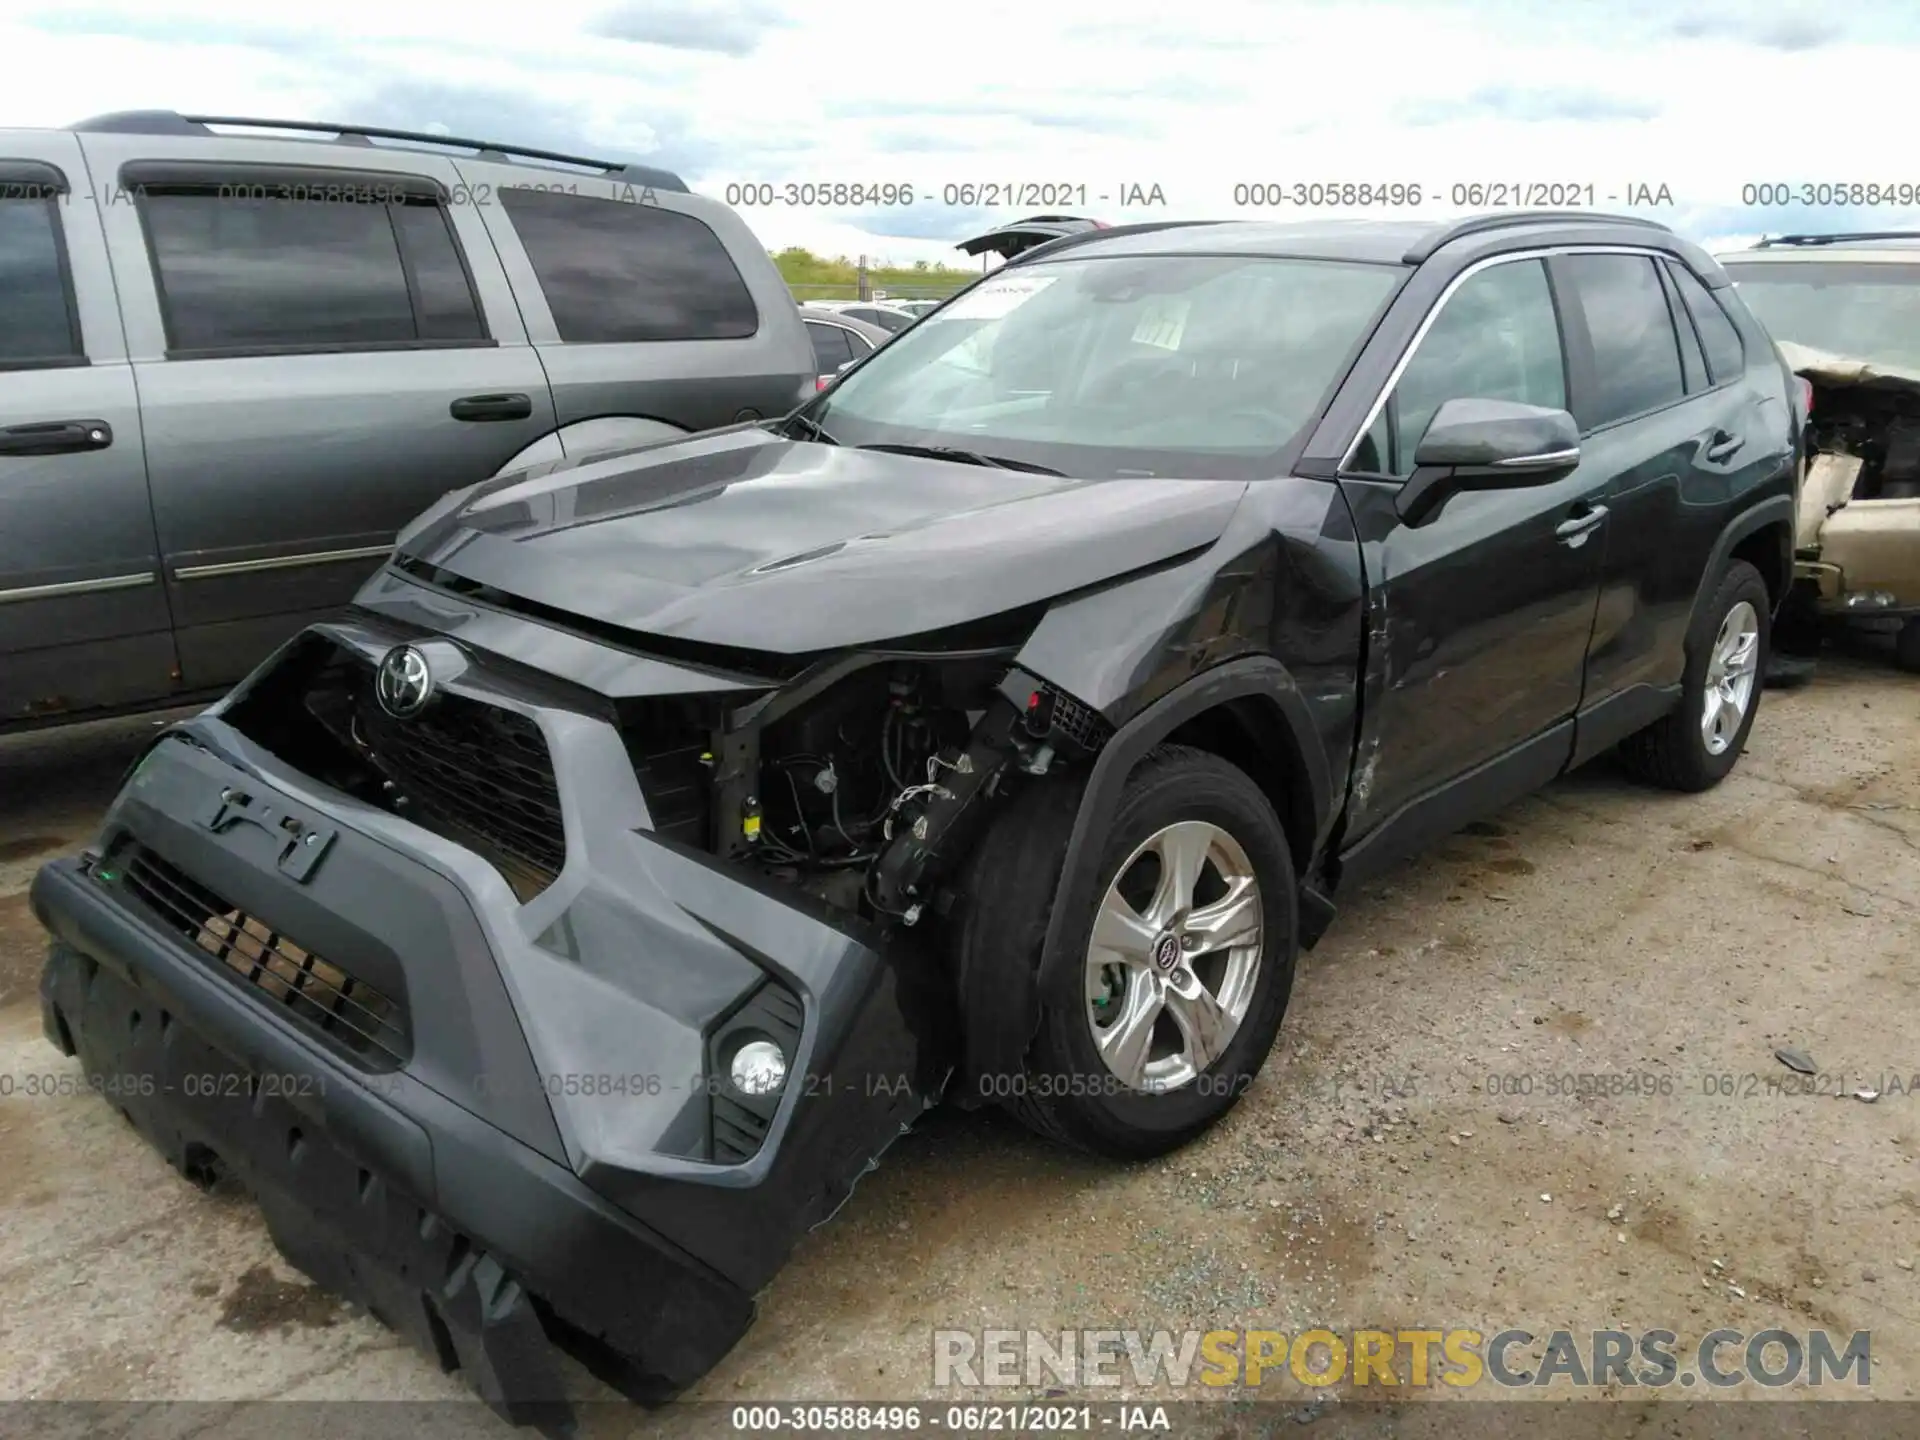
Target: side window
{"points": [[617, 270], [1693, 364], [1497, 338], [830, 350], [860, 345], [443, 295], [1636, 354], [37, 324], [260, 272], [1726, 356]]}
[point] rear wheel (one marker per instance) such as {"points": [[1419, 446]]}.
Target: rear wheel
{"points": [[1694, 746], [1172, 982]]}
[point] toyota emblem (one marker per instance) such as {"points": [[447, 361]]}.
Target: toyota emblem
{"points": [[1167, 950], [403, 684]]}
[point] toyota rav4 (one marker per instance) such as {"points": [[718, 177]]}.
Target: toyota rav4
{"points": [[576, 919]]}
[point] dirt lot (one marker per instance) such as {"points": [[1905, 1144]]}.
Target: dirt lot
{"points": [[1377, 1176]]}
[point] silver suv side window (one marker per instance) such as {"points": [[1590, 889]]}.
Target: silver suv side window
{"points": [[36, 307], [1496, 338], [242, 270], [627, 270]]}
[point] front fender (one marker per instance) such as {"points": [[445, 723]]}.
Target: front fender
{"points": [[1002, 1051]]}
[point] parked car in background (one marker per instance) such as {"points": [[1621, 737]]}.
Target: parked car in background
{"points": [[838, 341], [886, 315], [237, 356], [659, 836], [916, 308], [1845, 310]]}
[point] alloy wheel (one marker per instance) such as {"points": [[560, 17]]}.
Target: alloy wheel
{"points": [[1731, 668], [1174, 957]]}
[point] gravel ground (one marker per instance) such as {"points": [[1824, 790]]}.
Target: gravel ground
{"points": [[1382, 1173]]}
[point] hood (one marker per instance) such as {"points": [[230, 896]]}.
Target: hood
{"points": [[1830, 369], [739, 538]]}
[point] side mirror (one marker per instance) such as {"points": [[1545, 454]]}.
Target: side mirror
{"points": [[1487, 445]]}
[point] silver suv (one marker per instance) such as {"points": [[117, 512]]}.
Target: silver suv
{"points": [[234, 362]]}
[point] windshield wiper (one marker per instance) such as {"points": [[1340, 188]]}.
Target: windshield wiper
{"points": [[966, 457], [811, 426]]}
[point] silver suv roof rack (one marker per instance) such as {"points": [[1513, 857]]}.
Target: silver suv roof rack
{"points": [[170, 122], [1767, 242]]}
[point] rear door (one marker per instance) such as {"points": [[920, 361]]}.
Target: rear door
{"points": [[323, 347], [1664, 404], [644, 303], [83, 616]]}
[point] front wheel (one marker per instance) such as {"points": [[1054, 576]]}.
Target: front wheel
{"points": [[1694, 746], [1172, 983]]}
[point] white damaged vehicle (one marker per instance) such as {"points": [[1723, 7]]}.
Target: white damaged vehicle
{"points": [[1845, 312]]}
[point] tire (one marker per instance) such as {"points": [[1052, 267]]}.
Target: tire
{"points": [[1065, 1089], [1674, 752], [1906, 646]]}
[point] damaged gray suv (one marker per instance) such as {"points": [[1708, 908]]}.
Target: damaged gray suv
{"points": [[578, 916]]}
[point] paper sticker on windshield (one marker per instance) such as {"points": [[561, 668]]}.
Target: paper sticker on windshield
{"points": [[1163, 320], [995, 298]]}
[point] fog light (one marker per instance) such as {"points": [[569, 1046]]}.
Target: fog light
{"points": [[1871, 600], [759, 1068]]}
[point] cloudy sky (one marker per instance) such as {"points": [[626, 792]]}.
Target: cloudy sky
{"points": [[1704, 97]]}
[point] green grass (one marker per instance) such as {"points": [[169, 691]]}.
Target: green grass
{"points": [[816, 277]]}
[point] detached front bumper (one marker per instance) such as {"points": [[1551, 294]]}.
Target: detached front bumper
{"points": [[501, 1127]]}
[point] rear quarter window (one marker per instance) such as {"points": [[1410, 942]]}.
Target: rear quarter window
{"points": [[36, 311], [621, 270], [1726, 356]]}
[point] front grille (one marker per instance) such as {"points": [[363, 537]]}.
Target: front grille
{"points": [[478, 773], [316, 992]]}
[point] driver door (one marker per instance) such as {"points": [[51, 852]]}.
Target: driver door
{"points": [[1482, 611]]}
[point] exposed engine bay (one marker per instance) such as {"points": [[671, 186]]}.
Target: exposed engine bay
{"points": [[863, 780], [1879, 426], [867, 783], [1857, 520]]}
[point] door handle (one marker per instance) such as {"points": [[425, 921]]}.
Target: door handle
{"points": [[1724, 446], [55, 437], [491, 407], [1573, 532]]}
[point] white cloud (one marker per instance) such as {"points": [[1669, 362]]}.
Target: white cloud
{"points": [[1702, 96]]}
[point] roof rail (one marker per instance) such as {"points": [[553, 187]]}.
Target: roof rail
{"points": [[1767, 242], [169, 122], [1424, 248], [1067, 242]]}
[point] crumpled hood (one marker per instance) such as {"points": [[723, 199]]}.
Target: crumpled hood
{"points": [[1825, 367], [743, 539]]}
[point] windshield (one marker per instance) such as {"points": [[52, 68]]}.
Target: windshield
{"points": [[1865, 311], [1198, 366]]}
